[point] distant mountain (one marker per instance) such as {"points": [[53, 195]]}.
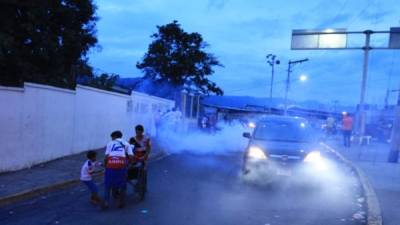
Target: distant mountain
{"points": [[140, 84], [166, 90], [242, 102]]}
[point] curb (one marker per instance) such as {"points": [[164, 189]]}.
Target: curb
{"points": [[56, 186], [374, 215], [36, 191]]}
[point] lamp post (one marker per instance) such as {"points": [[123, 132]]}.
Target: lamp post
{"points": [[290, 63], [271, 59]]}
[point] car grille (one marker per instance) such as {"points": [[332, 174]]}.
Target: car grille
{"points": [[285, 158]]}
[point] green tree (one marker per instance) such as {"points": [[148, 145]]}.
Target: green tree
{"points": [[179, 58], [103, 81], [46, 41]]}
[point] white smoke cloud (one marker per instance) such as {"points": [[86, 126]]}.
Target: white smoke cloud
{"points": [[228, 138]]}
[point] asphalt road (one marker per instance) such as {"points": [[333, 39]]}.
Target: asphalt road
{"points": [[192, 189]]}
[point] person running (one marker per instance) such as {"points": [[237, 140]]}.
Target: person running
{"points": [[88, 169], [347, 127], [118, 152]]}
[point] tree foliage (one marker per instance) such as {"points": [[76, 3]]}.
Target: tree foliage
{"points": [[46, 41], [179, 58], [103, 81]]}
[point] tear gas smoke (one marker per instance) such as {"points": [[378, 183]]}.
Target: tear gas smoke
{"points": [[227, 138]]}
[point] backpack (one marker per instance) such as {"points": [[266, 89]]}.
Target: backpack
{"points": [[118, 162]]}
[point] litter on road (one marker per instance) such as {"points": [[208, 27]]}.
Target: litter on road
{"points": [[144, 211], [361, 200], [358, 216]]}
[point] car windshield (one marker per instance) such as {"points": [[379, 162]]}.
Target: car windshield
{"points": [[286, 131]]}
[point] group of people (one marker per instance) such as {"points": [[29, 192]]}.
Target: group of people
{"points": [[119, 155], [208, 123]]}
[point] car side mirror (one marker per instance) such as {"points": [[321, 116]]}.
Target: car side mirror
{"points": [[246, 135]]}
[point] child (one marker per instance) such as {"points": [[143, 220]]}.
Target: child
{"points": [[118, 151], [88, 169]]}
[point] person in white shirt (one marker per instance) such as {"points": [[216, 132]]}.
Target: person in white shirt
{"points": [[118, 152], [88, 169]]}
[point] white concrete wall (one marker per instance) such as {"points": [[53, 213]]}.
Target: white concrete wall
{"points": [[97, 114], [11, 106], [39, 123]]}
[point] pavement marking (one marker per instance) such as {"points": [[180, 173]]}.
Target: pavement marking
{"points": [[374, 215]]}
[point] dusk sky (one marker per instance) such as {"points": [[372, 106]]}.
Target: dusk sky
{"points": [[242, 33]]}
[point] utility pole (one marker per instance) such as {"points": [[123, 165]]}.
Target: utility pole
{"points": [[387, 98], [395, 137], [289, 70], [366, 49], [290, 63], [335, 103], [271, 59]]}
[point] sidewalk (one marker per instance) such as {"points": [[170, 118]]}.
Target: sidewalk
{"points": [[48, 176], [384, 176]]}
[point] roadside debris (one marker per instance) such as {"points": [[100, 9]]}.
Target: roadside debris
{"points": [[358, 215], [144, 211]]}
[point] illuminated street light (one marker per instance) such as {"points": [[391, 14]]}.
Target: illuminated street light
{"points": [[303, 78]]}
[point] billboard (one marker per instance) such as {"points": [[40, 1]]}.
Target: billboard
{"points": [[319, 39], [394, 40]]}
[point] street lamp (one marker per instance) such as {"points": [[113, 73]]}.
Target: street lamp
{"points": [[290, 63], [303, 78], [271, 59]]}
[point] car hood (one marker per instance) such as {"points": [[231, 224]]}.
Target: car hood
{"points": [[285, 148]]}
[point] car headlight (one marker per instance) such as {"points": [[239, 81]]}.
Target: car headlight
{"points": [[256, 153], [252, 125], [317, 161], [314, 156]]}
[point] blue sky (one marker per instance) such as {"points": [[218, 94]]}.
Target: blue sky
{"points": [[241, 33]]}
